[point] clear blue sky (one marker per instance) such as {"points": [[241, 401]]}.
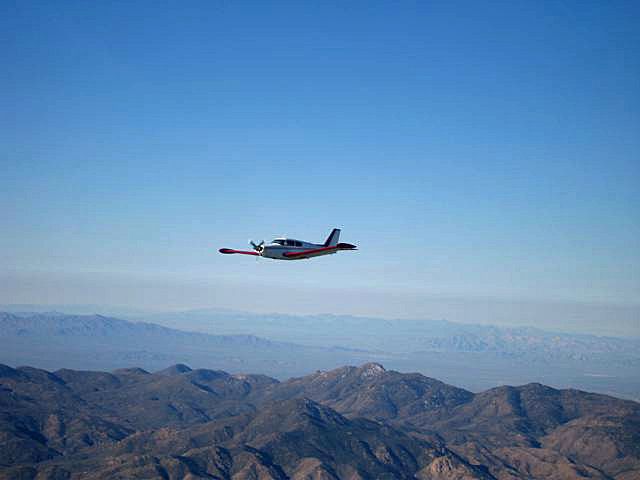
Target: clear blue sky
{"points": [[472, 150]]}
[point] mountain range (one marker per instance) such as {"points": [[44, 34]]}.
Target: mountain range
{"points": [[57, 340], [285, 346], [403, 336], [347, 423]]}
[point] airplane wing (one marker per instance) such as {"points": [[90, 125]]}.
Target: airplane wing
{"points": [[243, 252]]}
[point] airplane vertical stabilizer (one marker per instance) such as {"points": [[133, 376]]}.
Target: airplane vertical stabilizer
{"points": [[333, 238]]}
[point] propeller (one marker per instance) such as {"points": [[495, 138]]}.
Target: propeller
{"points": [[258, 247]]}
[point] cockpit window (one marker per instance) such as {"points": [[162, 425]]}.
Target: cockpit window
{"points": [[290, 243], [279, 242], [298, 244]]}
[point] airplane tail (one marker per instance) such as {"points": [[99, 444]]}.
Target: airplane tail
{"points": [[332, 239]]}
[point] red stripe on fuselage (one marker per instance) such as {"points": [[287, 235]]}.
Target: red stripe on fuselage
{"points": [[309, 252]]}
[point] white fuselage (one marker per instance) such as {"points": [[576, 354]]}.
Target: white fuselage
{"points": [[278, 247], [292, 249]]}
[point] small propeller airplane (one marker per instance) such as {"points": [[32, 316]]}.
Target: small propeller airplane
{"points": [[291, 249]]}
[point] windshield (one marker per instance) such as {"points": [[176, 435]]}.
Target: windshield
{"points": [[279, 242]]}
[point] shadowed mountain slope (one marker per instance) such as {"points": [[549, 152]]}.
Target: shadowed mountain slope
{"points": [[351, 422]]}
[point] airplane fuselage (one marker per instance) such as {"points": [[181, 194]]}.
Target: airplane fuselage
{"points": [[282, 248], [292, 249]]}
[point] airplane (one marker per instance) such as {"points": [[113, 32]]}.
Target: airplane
{"points": [[291, 249]]}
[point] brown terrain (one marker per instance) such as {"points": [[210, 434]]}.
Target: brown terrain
{"points": [[347, 423]]}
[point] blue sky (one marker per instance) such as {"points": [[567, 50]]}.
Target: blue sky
{"points": [[471, 150]]}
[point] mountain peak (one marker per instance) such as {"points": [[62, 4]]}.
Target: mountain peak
{"points": [[371, 369], [134, 371], [177, 369], [7, 372]]}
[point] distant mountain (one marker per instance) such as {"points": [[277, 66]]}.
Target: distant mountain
{"points": [[351, 422], [95, 341], [503, 355], [532, 342], [92, 327], [405, 336], [294, 346]]}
